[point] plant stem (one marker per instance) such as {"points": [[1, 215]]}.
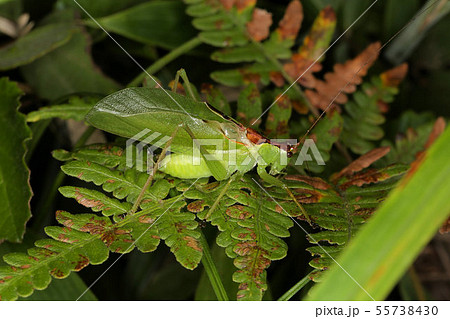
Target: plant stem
{"points": [[211, 271], [169, 57], [296, 288]]}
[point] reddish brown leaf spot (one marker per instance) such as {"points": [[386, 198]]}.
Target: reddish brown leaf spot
{"points": [[86, 202], [192, 243], [57, 273], [259, 27], [81, 263], [292, 20], [277, 78], [197, 206], [238, 212], [180, 227], [315, 182], [249, 77], [300, 107], [97, 227], [218, 24], [146, 219], [307, 196]]}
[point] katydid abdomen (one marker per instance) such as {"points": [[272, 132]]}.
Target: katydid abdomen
{"points": [[185, 166], [189, 165]]}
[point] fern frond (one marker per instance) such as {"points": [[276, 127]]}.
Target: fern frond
{"points": [[69, 250], [344, 79], [244, 31], [342, 207], [251, 226], [364, 113], [88, 238]]}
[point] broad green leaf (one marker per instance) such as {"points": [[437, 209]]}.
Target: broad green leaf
{"points": [[15, 191], [67, 289], [67, 70], [162, 23], [98, 8], [403, 45], [34, 45], [383, 250], [76, 108]]}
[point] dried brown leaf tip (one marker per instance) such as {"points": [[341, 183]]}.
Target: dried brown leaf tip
{"points": [[344, 79], [291, 22], [227, 4], [395, 76], [362, 162], [259, 27], [315, 43]]}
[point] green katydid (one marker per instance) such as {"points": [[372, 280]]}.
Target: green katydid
{"points": [[227, 146]]}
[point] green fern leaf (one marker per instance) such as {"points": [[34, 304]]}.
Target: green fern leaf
{"points": [[353, 200], [76, 108], [364, 114]]}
